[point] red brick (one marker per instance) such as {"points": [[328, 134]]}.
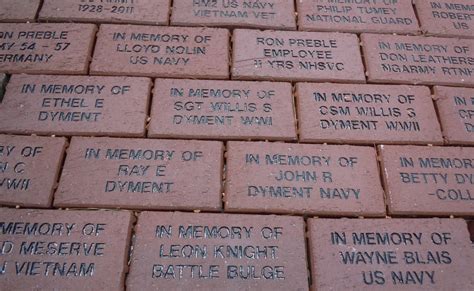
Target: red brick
{"points": [[303, 179], [75, 105], [64, 250], [141, 174], [282, 55], [357, 16], [177, 52], [390, 254], [277, 14], [222, 110], [29, 169], [18, 10], [390, 114], [46, 48], [229, 252], [418, 60], [153, 12], [449, 18], [428, 180], [456, 113]]}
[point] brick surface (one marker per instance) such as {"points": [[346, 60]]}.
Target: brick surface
{"points": [[153, 12], [141, 174], [449, 18], [29, 169], [46, 48], [162, 52], [277, 14], [218, 251], [76, 105], [390, 254], [366, 114], [303, 179], [418, 60], [428, 180], [296, 56], [18, 10], [66, 250], [357, 16], [456, 113], [222, 110]]}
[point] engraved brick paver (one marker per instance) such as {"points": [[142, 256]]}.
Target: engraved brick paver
{"points": [[29, 169], [142, 174], [390, 254], [75, 105], [222, 110], [46, 48], [418, 60], [153, 12], [301, 178], [275, 14], [357, 16], [296, 56], [428, 180], [449, 18], [218, 251], [366, 114], [64, 250], [456, 114], [154, 51]]}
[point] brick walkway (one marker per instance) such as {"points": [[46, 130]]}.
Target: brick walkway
{"points": [[236, 145]]}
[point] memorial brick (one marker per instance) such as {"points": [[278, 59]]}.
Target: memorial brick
{"points": [[46, 48], [222, 110], [64, 250], [142, 174], [428, 180], [200, 251], [154, 51], [418, 60], [296, 56], [456, 114], [447, 18], [376, 16], [303, 179], [366, 114], [75, 105], [152, 12], [390, 254], [29, 169], [275, 14]]}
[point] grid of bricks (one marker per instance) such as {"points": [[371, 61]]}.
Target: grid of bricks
{"points": [[255, 145]]}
